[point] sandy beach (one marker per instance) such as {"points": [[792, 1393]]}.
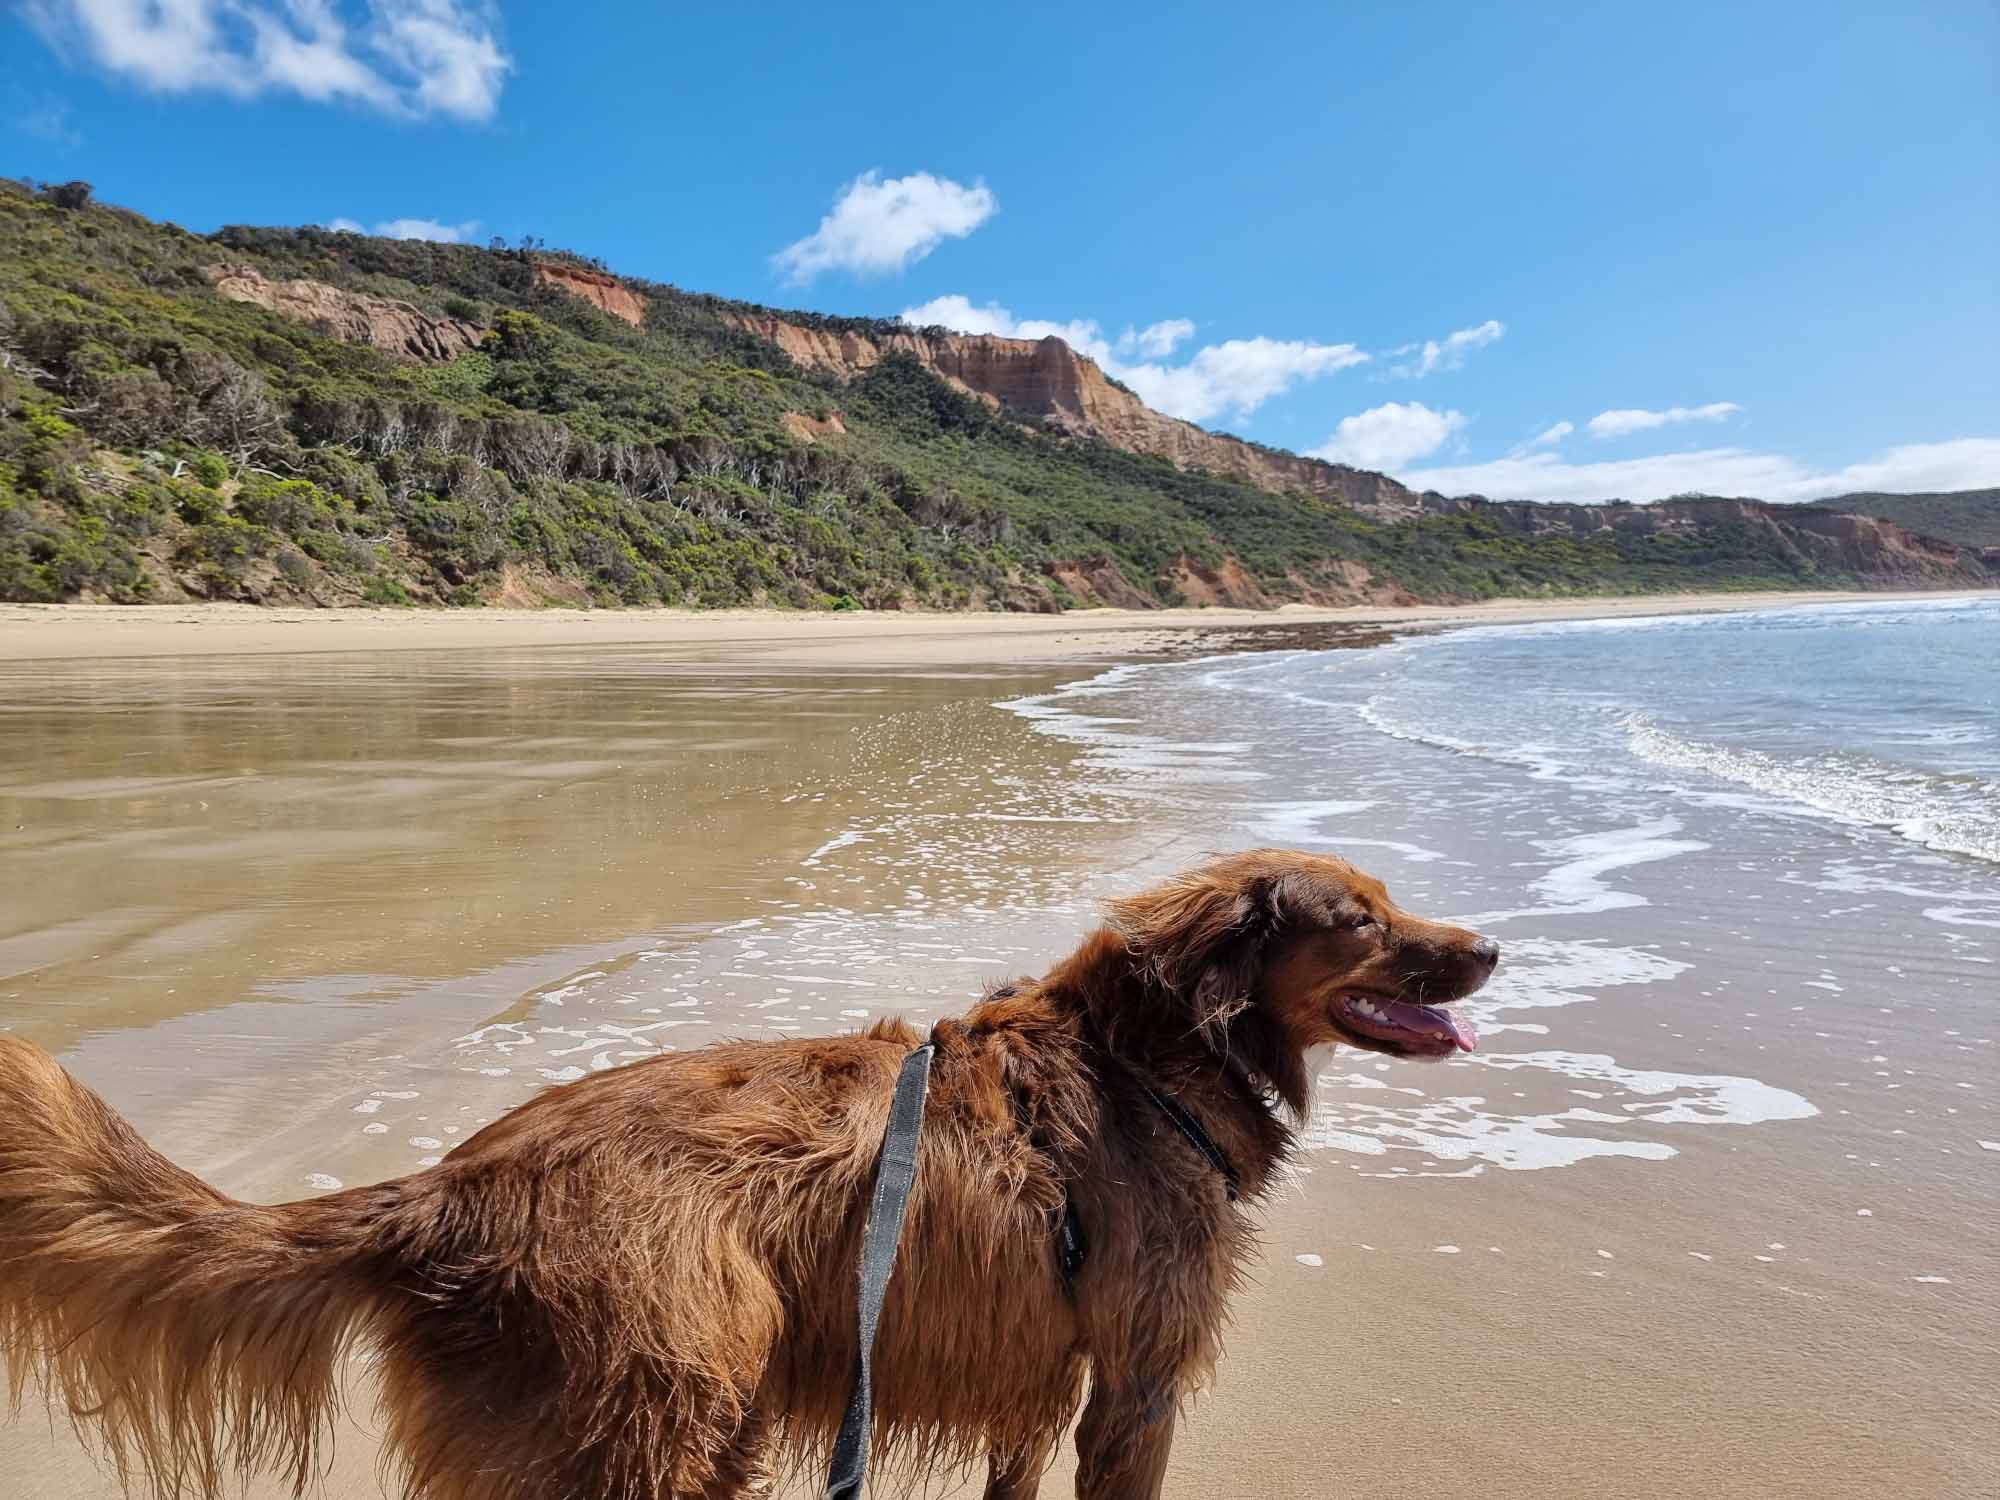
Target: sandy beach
{"points": [[308, 896], [49, 632]]}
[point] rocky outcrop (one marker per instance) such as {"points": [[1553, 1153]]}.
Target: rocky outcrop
{"points": [[595, 287], [810, 429], [396, 328], [1047, 380], [1227, 584], [1099, 584]]}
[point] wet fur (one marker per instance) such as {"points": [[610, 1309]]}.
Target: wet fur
{"points": [[641, 1285]]}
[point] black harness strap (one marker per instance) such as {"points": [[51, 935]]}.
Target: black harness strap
{"points": [[895, 1174], [1197, 1137], [1072, 1248]]}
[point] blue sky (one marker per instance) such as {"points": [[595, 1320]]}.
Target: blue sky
{"points": [[1557, 251]]}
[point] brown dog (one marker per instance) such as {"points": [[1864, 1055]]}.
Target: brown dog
{"points": [[642, 1285]]}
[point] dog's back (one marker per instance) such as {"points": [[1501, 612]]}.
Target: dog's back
{"points": [[637, 1285]]}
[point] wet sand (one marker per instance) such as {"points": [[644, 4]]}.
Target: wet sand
{"points": [[309, 917]]}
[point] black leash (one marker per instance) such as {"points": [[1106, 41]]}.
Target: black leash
{"points": [[895, 1174], [1197, 1137]]}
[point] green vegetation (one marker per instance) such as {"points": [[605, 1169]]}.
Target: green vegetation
{"points": [[1969, 518], [160, 441]]}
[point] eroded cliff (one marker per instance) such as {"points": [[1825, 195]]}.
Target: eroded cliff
{"points": [[396, 328], [1047, 380], [595, 287]]}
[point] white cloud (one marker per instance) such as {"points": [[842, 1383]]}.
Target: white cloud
{"points": [[402, 57], [1157, 340], [412, 229], [1963, 463], [1610, 424], [1235, 377], [457, 67], [961, 316], [880, 225], [1389, 436], [1436, 355], [1548, 437]]}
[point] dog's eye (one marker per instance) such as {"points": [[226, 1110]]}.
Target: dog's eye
{"points": [[1366, 923]]}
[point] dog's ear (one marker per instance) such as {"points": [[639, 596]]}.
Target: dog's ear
{"points": [[1201, 937]]}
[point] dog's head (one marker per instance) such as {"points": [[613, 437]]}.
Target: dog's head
{"points": [[1311, 948]]}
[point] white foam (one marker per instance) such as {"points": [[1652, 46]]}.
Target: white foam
{"points": [[1465, 1134], [1297, 824], [1576, 886], [1955, 814], [844, 840]]}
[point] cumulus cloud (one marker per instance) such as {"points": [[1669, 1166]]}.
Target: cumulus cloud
{"points": [[1158, 340], [1234, 377], [1962, 463], [1610, 424], [411, 229], [1389, 436], [885, 224], [1433, 356], [403, 57]]}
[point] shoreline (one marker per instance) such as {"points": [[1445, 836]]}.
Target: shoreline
{"points": [[64, 632]]}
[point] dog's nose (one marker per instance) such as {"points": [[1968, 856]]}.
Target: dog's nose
{"points": [[1486, 951]]}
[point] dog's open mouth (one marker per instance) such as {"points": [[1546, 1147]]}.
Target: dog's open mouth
{"points": [[1403, 1026]]}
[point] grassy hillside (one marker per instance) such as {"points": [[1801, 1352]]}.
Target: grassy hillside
{"points": [[159, 441], [1970, 518]]}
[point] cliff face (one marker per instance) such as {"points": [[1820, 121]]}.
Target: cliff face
{"points": [[604, 291], [1048, 380], [1971, 518], [396, 328], [1834, 541]]}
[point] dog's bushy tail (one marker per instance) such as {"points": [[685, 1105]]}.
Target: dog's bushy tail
{"points": [[201, 1337]]}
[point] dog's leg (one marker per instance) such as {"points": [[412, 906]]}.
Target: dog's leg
{"points": [[1123, 1440], [742, 1465], [1017, 1475]]}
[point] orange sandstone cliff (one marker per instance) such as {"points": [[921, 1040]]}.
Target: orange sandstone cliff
{"points": [[1047, 380], [595, 287]]}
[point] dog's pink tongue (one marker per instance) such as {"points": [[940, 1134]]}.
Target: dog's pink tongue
{"points": [[1405, 1021], [1433, 1021]]}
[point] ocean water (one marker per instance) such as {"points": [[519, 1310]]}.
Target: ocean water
{"points": [[1712, 846], [1886, 715]]}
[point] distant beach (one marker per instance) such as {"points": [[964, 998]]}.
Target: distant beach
{"points": [[44, 632], [310, 896]]}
